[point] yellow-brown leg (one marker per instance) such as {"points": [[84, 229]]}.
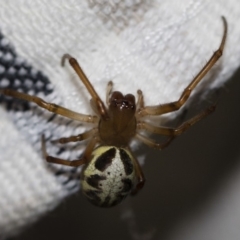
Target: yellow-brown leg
{"points": [[109, 91], [139, 173], [175, 131], [73, 163], [140, 101], [51, 107], [77, 138], [173, 106], [152, 143], [97, 100]]}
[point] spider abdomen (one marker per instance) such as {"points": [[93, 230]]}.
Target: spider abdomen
{"points": [[109, 177]]}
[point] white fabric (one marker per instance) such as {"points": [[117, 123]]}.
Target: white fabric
{"points": [[157, 47]]}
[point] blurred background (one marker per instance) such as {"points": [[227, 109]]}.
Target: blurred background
{"points": [[192, 189]]}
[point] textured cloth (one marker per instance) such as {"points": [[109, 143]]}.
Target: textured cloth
{"points": [[154, 46]]}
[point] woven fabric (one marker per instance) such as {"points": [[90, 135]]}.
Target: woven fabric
{"points": [[154, 46]]}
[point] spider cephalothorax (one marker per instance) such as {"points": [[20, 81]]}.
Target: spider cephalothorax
{"points": [[111, 171]]}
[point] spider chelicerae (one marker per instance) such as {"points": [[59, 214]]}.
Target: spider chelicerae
{"points": [[110, 170]]}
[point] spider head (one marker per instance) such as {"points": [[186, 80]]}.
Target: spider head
{"points": [[120, 128]]}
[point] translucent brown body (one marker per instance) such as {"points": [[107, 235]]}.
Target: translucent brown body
{"points": [[121, 119], [121, 125]]}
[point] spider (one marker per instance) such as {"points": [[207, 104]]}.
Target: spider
{"points": [[111, 171]]}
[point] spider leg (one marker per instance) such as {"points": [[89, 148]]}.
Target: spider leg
{"points": [[152, 143], [97, 100], [139, 173], [173, 106], [179, 130], [51, 107], [73, 163], [109, 91], [77, 138], [140, 100]]}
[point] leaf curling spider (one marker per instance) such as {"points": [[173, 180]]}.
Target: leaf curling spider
{"points": [[111, 171]]}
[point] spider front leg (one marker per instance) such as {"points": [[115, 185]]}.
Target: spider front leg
{"points": [[51, 107], [173, 106], [96, 100], [73, 163]]}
